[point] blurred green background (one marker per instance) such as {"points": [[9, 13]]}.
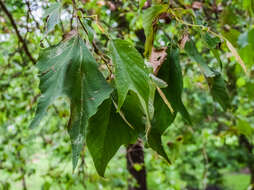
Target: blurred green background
{"points": [[208, 154]]}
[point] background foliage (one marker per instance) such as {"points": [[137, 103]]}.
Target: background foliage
{"points": [[210, 152]]}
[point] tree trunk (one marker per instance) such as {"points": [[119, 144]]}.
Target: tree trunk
{"points": [[243, 141], [135, 155], [248, 147]]}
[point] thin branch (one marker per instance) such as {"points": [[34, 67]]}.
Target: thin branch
{"points": [[30, 12], [8, 14], [96, 49]]}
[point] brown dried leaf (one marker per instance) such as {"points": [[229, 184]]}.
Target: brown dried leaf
{"points": [[157, 58], [184, 39], [197, 5], [69, 35], [111, 6], [236, 55]]}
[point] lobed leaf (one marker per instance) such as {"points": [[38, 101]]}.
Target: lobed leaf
{"points": [[69, 69], [171, 73]]}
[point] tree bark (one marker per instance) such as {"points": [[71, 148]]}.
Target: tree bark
{"points": [[250, 158], [243, 141], [135, 155]]}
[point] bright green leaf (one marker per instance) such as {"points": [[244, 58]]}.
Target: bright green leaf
{"points": [[141, 3], [244, 127], [130, 72], [149, 20], [240, 82]]}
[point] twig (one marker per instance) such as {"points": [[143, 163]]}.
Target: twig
{"points": [[30, 12], [8, 14], [96, 49]]}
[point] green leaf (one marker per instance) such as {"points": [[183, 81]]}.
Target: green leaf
{"points": [[173, 76], [134, 112], [215, 80], [244, 127], [161, 121], [191, 49], [249, 6], [53, 14], [219, 91], [141, 3], [171, 73], [90, 32], [106, 132], [68, 69], [150, 16], [212, 43], [130, 72]]}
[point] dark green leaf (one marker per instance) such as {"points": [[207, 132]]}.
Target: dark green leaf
{"points": [[161, 121], [192, 51], [212, 43], [106, 132], [134, 112], [173, 76], [69, 69], [219, 91], [171, 73]]}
